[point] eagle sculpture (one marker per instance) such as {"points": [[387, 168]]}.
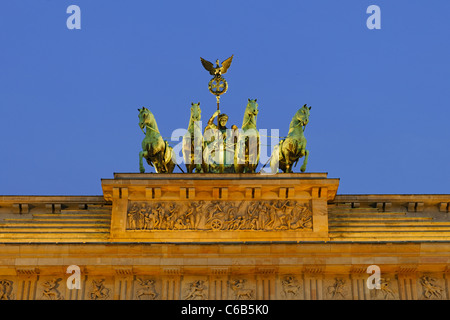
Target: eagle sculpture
{"points": [[217, 70]]}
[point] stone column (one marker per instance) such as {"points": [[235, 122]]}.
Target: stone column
{"points": [[218, 284], [265, 283], [407, 283], [313, 283], [26, 283], [171, 284], [123, 283], [358, 277]]}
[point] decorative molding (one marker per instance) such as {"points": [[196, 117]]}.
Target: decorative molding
{"points": [[266, 270], [172, 271], [313, 269], [358, 270], [124, 270], [27, 271], [407, 269], [219, 270]]}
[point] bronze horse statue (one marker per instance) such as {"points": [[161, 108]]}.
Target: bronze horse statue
{"points": [[155, 149], [193, 142], [246, 156], [293, 146]]}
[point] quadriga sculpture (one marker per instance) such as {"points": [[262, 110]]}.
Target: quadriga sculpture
{"points": [[193, 142], [246, 156], [155, 150], [293, 146]]}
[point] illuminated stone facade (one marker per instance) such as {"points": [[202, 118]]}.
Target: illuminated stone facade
{"points": [[227, 236]]}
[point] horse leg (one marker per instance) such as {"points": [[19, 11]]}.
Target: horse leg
{"points": [[142, 154], [275, 159], [163, 160], [288, 162], [193, 166], [172, 161], [204, 164], [255, 158], [246, 155], [190, 166], [305, 161]]}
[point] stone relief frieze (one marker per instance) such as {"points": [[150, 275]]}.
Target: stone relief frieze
{"points": [[290, 287], [386, 291], [430, 289], [271, 215], [197, 291], [99, 291], [51, 291], [6, 288], [337, 289], [147, 289], [240, 290]]}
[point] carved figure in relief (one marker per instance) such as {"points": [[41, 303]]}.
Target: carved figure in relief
{"points": [[171, 215], [6, 287], [302, 217], [159, 214], [131, 216], [180, 224], [239, 291], [51, 292], [253, 215], [385, 289], [147, 290], [141, 217], [188, 220], [430, 289], [148, 221], [219, 218], [284, 214], [337, 288], [195, 214], [291, 287], [213, 209], [272, 221], [196, 290], [99, 292]]}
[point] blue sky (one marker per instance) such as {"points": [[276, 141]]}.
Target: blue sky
{"points": [[380, 98]]}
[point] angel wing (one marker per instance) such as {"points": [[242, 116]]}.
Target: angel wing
{"points": [[208, 66], [226, 64]]}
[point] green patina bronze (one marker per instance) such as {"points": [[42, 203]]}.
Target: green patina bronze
{"points": [[246, 156], [219, 159], [293, 146], [155, 149], [219, 149], [193, 145]]}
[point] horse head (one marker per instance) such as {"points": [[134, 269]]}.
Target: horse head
{"points": [[252, 108], [196, 112], [146, 119], [302, 115]]}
